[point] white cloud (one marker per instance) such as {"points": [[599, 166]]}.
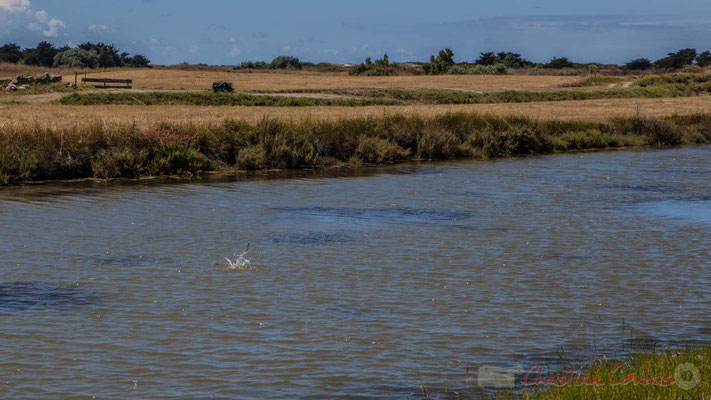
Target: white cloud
{"points": [[42, 16], [101, 29], [20, 11], [53, 27], [235, 52], [15, 6], [34, 26]]}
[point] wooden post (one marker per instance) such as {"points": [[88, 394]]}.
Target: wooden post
{"points": [[76, 76]]}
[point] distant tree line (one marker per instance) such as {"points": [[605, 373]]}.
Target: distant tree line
{"points": [[501, 62], [281, 62], [86, 55], [677, 60]]}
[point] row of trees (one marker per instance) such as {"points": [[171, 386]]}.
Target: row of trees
{"points": [[281, 62], [679, 59], [444, 61], [86, 55]]}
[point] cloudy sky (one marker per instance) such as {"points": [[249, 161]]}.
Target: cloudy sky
{"points": [[228, 32]]}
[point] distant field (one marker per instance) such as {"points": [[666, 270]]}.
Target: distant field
{"points": [[56, 116], [162, 79]]}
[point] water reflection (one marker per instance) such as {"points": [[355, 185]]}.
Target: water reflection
{"points": [[23, 296]]}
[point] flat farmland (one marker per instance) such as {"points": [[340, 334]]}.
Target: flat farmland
{"points": [[164, 79]]}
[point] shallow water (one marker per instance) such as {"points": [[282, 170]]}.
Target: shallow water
{"points": [[360, 285]]}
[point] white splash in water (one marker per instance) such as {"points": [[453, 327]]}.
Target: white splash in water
{"points": [[241, 262]]}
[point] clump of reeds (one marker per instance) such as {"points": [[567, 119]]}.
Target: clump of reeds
{"points": [[94, 150]]}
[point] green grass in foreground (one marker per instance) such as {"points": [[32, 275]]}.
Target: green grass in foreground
{"points": [[669, 374], [33, 153], [216, 99]]}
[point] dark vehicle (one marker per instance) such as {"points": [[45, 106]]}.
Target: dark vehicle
{"points": [[222, 87]]}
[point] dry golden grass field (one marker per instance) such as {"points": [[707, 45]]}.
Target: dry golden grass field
{"points": [[162, 79], [43, 109], [60, 116]]}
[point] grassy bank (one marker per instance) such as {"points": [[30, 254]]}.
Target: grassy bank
{"points": [[661, 372], [667, 374], [35, 153], [216, 99]]}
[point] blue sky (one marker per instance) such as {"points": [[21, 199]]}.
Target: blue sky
{"points": [[228, 32]]}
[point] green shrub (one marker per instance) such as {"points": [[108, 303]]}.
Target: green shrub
{"points": [[120, 163], [516, 141], [571, 72], [438, 144], [381, 67], [379, 150], [440, 64], [559, 63], [495, 69], [252, 158], [286, 62], [76, 58], [178, 158]]}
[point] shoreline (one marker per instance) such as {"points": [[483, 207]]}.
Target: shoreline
{"points": [[33, 154], [343, 170]]}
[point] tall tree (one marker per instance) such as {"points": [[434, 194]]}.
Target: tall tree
{"points": [[10, 53], [42, 55], [704, 59], [677, 60]]}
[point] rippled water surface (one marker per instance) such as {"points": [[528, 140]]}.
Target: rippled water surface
{"points": [[361, 285]]}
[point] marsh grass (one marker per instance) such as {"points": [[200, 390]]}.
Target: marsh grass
{"points": [[97, 150], [664, 374]]}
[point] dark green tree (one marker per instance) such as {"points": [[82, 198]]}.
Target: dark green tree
{"points": [[513, 60], [704, 59], [439, 65], [676, 60], [109, 56], [139, 61], [638, 64], [42, 55], [10, 53], [286, 62], [559, 63], [488, 58]]}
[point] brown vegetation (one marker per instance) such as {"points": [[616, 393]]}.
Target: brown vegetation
{"points": [[58, 116], [169, 79]]}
